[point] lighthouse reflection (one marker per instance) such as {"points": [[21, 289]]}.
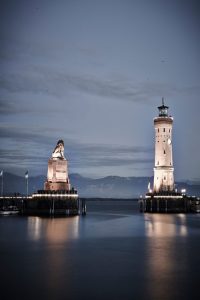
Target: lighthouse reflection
{"points": [[53, 230], [158, 225], [163, 233]]}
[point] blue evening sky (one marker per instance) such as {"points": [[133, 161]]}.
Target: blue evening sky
{"points": [[93, 73]]}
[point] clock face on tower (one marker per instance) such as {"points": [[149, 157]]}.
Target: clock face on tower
{"points": [[169, 142]]}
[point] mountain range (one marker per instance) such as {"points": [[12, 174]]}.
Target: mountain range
{"points": [[106, 187]]}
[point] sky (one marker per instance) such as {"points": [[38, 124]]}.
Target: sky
{"points": [[93, 73]]}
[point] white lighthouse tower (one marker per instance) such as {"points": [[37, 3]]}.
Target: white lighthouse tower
{"points": [[163, 170], [163, 197]]}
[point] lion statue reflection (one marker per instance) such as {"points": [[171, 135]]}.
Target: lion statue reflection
{"points": [[59, 150]]}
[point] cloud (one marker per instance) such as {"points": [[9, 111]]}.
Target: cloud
{"points": [[22, 134], [94, 155], [111, 162], [5, 107], [46, 136], [33, 148], [113, 149], [43, 80]]}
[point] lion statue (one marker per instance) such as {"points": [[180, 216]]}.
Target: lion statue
{"points": [[59, 150]]}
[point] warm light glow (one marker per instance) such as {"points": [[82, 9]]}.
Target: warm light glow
{"points": [[158, 225], [165, 197], [56, 195], [34, 228], [183, 191], [53, 230]]}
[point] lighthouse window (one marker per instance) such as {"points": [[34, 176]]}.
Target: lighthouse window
{"points": [[158, 163], [169, 130], [164, 152], [164, 178], [163, 129], [158, 129]]}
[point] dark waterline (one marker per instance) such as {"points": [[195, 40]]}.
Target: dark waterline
{"points": [[112, 253]]}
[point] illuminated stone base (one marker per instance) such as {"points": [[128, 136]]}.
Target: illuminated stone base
{"points": [[56, 186], [57, 175]]}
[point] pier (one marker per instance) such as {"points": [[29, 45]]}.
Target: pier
{"points": [[47, 203], [169, 203]]}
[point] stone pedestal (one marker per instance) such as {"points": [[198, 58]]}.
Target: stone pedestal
{"points": [[57, 175]]}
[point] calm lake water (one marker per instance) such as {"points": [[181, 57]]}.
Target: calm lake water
{"points": [[114, 252]]}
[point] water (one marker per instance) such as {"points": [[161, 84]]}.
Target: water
{"points": [[114, 252]]}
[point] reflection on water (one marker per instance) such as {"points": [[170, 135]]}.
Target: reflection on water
{"points": [[162, 233], [53, 230], [165, 225], [34, 228], [54, 233], [104, 255]]}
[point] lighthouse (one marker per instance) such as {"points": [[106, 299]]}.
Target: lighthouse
{"points": [[163, 169], [164, 197]]}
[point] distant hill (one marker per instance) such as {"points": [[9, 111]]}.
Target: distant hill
{"points": [[106, 187], [17, 184], [110, 186]]}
